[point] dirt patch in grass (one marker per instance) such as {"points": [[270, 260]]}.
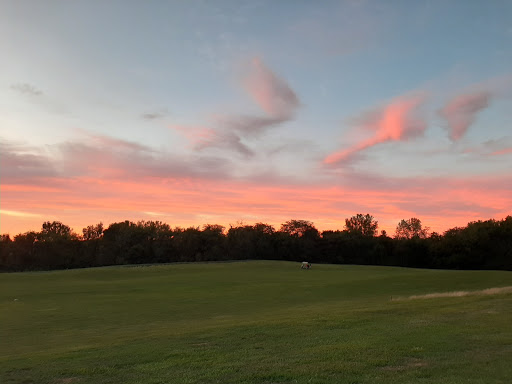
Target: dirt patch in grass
{"points": [[489, 291]]}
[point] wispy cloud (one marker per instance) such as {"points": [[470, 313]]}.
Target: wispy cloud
{"points": [[101, 157], [20, 161], [495, 147], [270, 92], [27, 89], [440, 202], [505, 151], [104, 156], [247, 126], [114, 143], [398, 121], [226, 140], [196, 135], [36, 96], [203, 137], [461, 112], [19, 213], [154, 115]]}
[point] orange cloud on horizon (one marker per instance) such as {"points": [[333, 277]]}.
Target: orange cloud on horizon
{"points": [[440, 203]]}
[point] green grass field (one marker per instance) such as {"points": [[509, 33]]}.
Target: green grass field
{"points": [[254, 322]]}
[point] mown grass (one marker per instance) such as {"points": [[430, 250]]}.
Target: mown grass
{"points": [[253, 322]]}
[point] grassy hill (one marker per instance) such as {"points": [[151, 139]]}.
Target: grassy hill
{"points": [[254, 322]]}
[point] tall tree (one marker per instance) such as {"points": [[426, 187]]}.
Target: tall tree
{"points": [[5, 238], [55, 231], [299, 228], [155, 230], [93, 232], [364, 225], [412, 228], [214, 228], [264, 228]]}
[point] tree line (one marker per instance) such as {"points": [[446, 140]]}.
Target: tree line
{"points": [[479, 245]]}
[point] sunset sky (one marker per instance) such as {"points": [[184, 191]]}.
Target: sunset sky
{"points": [[195, 112]]}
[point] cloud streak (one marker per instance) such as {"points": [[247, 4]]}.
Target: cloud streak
{"points": [[496, 147], [225, 140], [26, 89], [247, 126], [101, 157], [204, 137], [110, 179], [79, 201], [155, 115], [271, 93], [107, 157], [19, 161], [505, 151], [19, 214], [461, 112], [398, 121]]}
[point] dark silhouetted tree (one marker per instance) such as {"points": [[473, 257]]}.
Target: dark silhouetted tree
{"points": [[125, 244], [479, 245], [155, 230], [214, 228], [93, 232], [188, 243], [264, 228], [298, 228], [242, 242], [213, 242], [361, 224], [408, 229], [56, 231]]}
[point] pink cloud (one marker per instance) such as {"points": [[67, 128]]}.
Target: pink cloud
{"points": [[20, 161], [114, 143], [101, 157], [461, 112], [504, 151], [120, 160], [227, 140], [440, 203], [204, 137], [270, 92], [247, 126], [397, 121], [196, 135], [494, 147]]}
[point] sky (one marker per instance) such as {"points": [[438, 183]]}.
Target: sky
{"points": [[227, 112]]}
